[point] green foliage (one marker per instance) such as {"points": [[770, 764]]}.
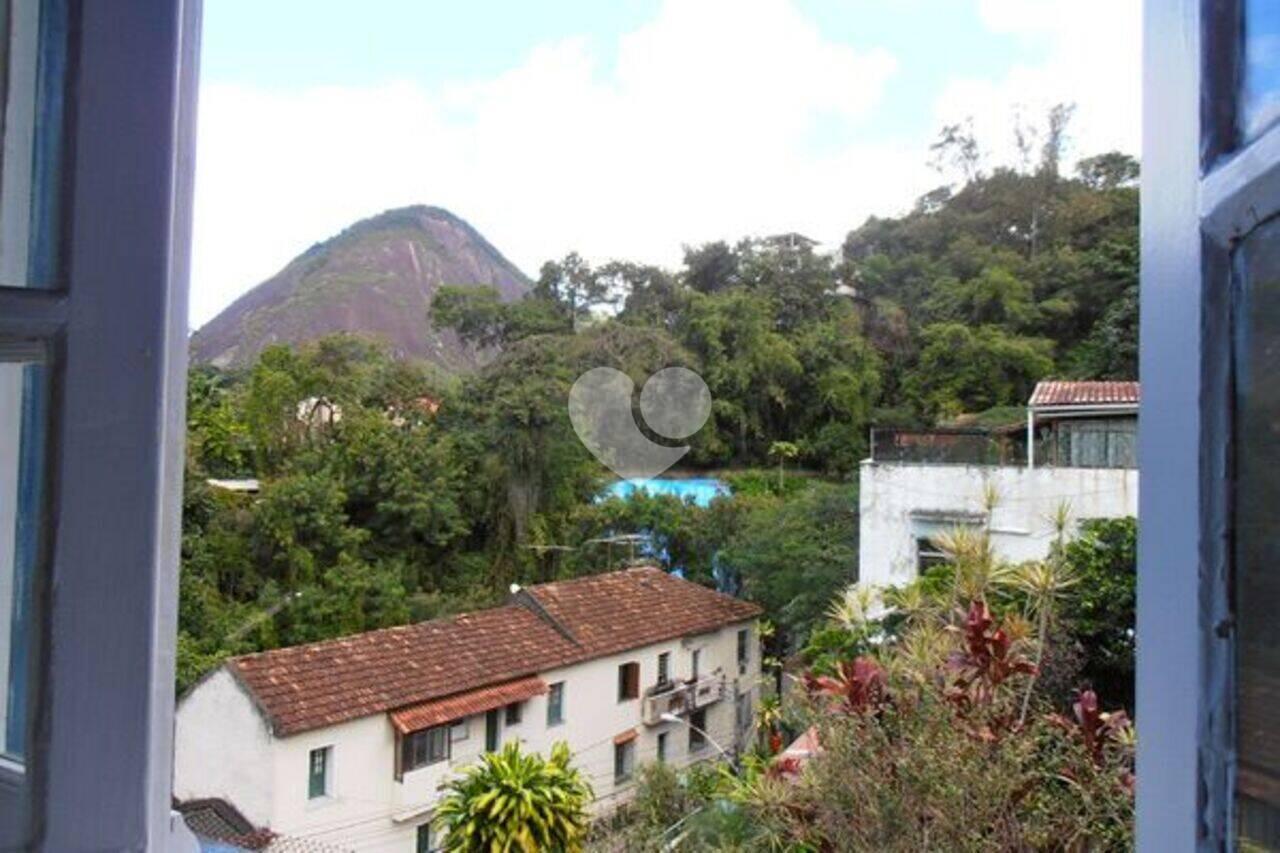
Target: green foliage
{"points": [[1101, 613], [966, 369], [516, 801], [792, 556]]}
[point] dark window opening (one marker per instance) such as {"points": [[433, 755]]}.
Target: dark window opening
{"points": [[628, 681]]}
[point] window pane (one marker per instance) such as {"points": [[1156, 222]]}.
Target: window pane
{"points": [[1260, 89], [22, 432], [1257, 539], [32, 63]]}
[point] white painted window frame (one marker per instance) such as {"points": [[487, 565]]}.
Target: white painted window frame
{"points": [[1197, 203], [99, 763]]}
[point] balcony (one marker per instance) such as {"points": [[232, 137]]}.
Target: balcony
{"points": [[681, 697]]}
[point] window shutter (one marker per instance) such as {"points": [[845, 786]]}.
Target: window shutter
{"points": [[399, 757]]}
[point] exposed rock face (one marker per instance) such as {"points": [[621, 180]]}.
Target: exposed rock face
{"points": [[376, 279]]}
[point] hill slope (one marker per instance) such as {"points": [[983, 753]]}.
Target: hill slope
{"points": [[376, 279]]}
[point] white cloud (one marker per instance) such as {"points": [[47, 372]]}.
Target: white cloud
{"points": [[1091, 53], [703, 128]]}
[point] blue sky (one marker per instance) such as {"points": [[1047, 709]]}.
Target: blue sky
{"points": [[620, 128]]}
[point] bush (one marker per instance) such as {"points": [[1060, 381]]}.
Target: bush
{"points": [[515, 801]]}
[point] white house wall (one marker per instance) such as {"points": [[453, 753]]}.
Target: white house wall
{"points": [[899, 503], [222, 748]]}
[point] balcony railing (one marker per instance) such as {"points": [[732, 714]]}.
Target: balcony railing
{"points": [[947, 447], [681, 697]]}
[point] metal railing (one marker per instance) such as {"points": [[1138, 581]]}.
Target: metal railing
{"points": [[947, 447]]}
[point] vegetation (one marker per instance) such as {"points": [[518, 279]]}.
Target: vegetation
{"points": [[937, 730], [516, 802]]}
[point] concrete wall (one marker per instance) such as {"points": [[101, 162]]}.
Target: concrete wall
{"points": [[222, 748], [899, 503], [369, 810]]}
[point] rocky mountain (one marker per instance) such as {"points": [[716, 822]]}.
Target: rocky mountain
{"points": [[377, 279]]}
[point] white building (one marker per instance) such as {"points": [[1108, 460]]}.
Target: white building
{"points": [[348, 741], [1077, 448]]}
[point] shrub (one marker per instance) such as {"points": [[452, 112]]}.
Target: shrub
{"points": [[516, 801]]}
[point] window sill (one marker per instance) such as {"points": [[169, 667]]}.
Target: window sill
{"points": [[315, 804]]}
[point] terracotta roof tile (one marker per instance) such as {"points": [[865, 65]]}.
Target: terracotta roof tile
{"points": [[320, 684], [427, 714], [1054, 393]]}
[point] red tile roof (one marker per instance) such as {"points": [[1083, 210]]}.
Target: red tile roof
{"points": [[437, 711], [321, 684], [1054, 393]]}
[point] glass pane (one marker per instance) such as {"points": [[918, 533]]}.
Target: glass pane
{"points": [[22, 430], [1257, 540], [32, 64], [1260, 91]]}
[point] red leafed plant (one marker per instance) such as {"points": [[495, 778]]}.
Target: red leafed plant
{"points": [[987, 660], [1095, 728], [858, 687]]}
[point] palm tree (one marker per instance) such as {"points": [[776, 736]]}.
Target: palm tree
{"points": [[782, 451], [517, 802]]}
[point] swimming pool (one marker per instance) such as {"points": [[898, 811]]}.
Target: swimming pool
{"points": [[700, 489]]}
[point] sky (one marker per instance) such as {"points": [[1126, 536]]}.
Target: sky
{"points": [[625, 128]]}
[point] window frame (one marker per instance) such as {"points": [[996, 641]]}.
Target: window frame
{"points": [[116, 323], [408, 747], [744, 650], [513, 713], [326, 777], [1203, 189], [698, 740], [555, 701], [664, 668], [628, 681], [624, 761]]}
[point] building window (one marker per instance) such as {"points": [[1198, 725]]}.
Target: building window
{"points": [[428, 746], [697, 730], [744, 650], [695, 662], [928, 555], [555, 704], [624, 760], [1256, 584], [664, 667], [662, 746], [515, 711], [492, 730], [318, 772], [426, 839], [628, 681], [460, 729], [22, 407]]}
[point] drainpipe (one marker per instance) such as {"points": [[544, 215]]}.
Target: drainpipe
{"points": [[1031, 438]]}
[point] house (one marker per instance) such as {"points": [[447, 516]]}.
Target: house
{"points": [[348, 741], [1077, 448]]}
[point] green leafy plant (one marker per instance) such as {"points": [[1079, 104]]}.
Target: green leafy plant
{"points": [[517, 801]]}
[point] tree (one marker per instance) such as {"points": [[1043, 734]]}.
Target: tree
{"points": [[480, 317], [793, 555], [782, 451], [1109, 171], [963, 369], [516, 801], [574, 286], [1101, 613], [711, 267]]}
